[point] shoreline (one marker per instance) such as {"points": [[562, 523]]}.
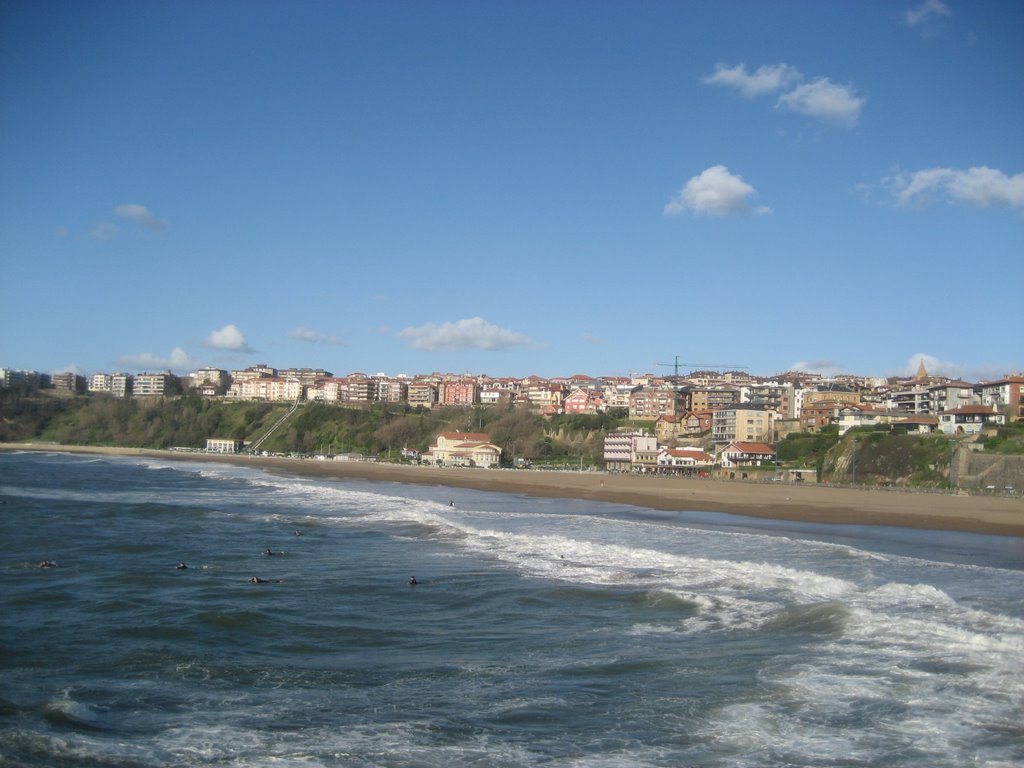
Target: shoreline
{"points": [[812, 503]]}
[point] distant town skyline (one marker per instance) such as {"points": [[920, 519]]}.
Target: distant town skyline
{"points": [[919, 366], [512, 189]]}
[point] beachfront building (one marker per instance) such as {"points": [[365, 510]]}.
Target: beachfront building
{"points": [[746, 454], [622, 448], [684, 461], [224, 445], [463, 449]]}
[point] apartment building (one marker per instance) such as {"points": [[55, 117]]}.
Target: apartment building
{"points": [[742, 423], [582, 400], [421, 393], [100, 382], [121, 384], [458, 392], [653, 403], [391, 390], [275, 389], [621, 449], [1004, 395], [155, 384], [779, 398], [12, 379], [711, 398]]}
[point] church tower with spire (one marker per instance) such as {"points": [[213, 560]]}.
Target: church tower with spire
{"points": [[922, 372]]}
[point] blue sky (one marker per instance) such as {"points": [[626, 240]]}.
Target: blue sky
{"points": [[512, 188]]}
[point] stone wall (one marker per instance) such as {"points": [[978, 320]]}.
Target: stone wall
{"points": [[976, 469]]}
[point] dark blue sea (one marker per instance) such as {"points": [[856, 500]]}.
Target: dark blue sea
{"points": [[543, 632]]}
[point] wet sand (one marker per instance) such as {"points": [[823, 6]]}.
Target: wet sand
{"points": [[810, 502]]}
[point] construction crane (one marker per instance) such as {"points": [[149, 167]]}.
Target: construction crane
{"points": [[695, 366]]}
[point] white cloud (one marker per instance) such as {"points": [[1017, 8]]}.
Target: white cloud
{"points": [[765, 79], [981, 186], [927, 12], [141, 215], [471, 333], [229, 338], [104, 230], [715, 192], [179, 360], [819, 98], [823, 98], [315, 337], [822, 367]]}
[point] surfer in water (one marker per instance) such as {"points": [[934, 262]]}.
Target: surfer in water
{"points": [[47, 564], [412, 581], [258, 580], [268, 552], [181, 566]]}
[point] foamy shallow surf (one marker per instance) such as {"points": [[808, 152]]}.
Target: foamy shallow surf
{"points": [[550, 632]]}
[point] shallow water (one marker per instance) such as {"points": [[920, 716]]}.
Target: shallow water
{"points": [[544, 631]]}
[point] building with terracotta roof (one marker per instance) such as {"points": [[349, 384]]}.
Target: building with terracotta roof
{"points": [[1005, 396], [684, 461], [463, 449], [970, 419], [746, 454]]}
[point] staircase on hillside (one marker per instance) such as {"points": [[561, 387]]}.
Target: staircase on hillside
{"points": [[256, 445]]}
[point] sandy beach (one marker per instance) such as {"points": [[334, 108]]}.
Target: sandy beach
{"points": [[997, 515]]}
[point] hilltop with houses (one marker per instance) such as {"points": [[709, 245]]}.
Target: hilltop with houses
{"points": [[683, 424]]}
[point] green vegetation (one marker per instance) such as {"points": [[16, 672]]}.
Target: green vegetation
{"points": [[871, 457], [1005, 440], [864, 456], [386, 429]]}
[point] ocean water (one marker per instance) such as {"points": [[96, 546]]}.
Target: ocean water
{"points": [[543, 632]]}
